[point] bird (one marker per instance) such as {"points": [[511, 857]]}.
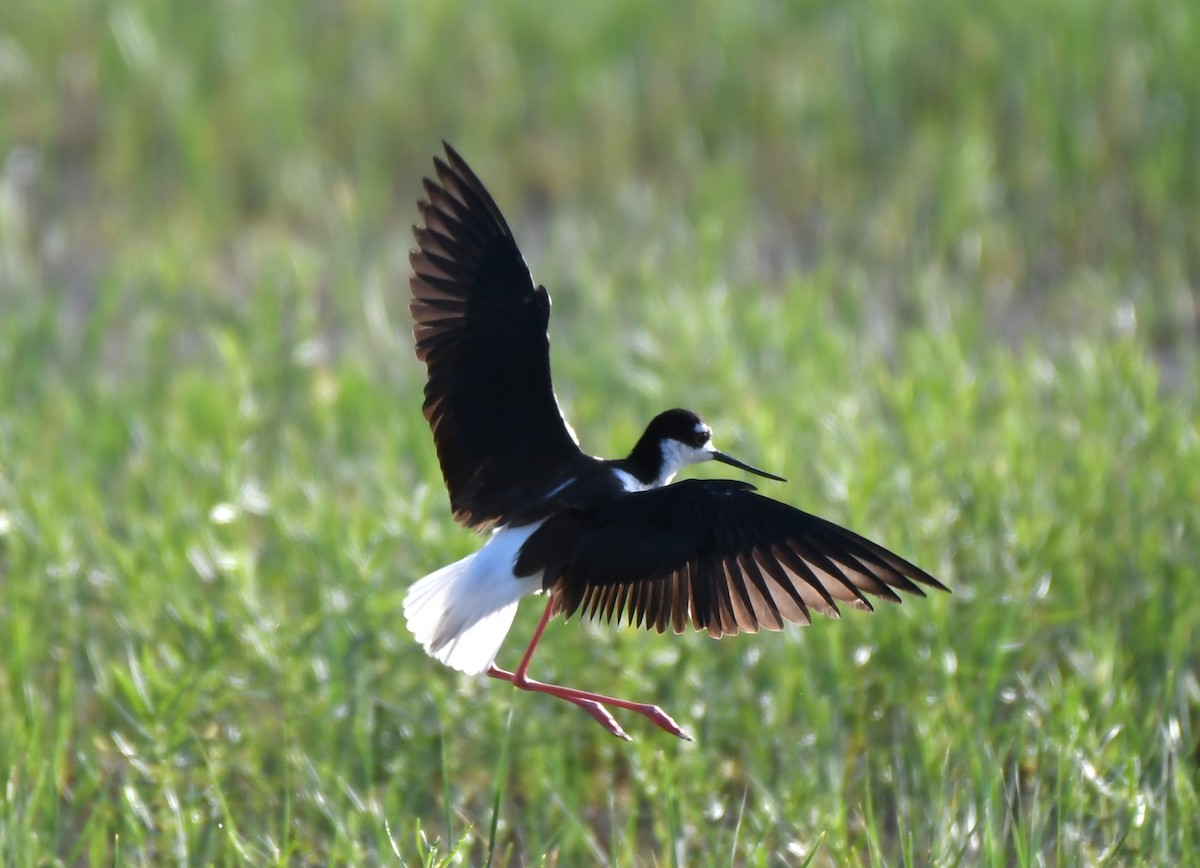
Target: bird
{"points": [[604, 539]]}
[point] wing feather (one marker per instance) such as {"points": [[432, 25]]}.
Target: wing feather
{"points": [[479, 325], [713, 552]]}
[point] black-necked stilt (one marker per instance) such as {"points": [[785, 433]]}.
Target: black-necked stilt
{"points": [[606, 538]]}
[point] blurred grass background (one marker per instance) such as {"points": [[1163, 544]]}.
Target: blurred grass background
{"points": [[937, 263]]}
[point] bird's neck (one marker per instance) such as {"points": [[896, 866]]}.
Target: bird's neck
{"points": [[648, 466]]}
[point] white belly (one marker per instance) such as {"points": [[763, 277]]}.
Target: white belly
{"points": [[461, 613]]}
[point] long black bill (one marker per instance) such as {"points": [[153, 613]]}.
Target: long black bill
{"points": [[741, 465]]}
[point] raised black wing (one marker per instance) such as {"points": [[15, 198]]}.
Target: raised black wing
{"points": [[712, 552], [480, 328]]}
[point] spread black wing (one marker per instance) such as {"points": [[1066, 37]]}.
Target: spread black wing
{"points": [[712, 552], [479, 325]]}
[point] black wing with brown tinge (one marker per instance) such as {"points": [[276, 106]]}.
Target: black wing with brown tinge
{"points": [[480, 328], [713, 553]]}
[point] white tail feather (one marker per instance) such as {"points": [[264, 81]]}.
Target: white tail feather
{"points": [[461, 613]]}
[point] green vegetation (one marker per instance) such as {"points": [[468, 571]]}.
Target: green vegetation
{"points": [[936, 263]]}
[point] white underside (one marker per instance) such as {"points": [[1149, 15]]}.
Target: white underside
{"points": [[461, 613]]}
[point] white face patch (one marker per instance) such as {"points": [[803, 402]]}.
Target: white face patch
{"points": [[678, 455]]}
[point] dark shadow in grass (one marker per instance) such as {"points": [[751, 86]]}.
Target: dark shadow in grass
{"points": [[501, 775]]}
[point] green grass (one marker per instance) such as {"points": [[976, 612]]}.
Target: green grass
{"points": [[936, 263]]}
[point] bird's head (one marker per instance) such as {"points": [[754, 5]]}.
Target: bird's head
{"points": [[677, 438]]}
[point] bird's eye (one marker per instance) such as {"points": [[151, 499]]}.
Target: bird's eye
{"points": [[703, 436]]}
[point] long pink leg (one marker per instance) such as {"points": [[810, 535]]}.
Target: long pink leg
{"points": [[593, 703]]}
